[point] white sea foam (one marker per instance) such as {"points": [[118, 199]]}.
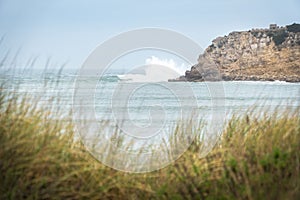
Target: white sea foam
{"points": [[155, 70], [170, 63], [150, 73]]}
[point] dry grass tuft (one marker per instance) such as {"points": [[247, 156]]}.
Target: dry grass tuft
{"points": [[256, 158]]}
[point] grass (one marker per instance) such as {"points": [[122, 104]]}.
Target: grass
{"points": [[256, 158]]}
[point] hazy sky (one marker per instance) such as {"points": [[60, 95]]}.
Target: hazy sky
{"points": [[67, 31]]}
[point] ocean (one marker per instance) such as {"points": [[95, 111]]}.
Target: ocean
{"points": [[142, 104]]}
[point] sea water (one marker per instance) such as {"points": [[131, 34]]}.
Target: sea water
{"points": [[147, 110], [56, 90]]}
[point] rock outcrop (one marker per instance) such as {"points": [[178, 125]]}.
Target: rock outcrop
{"points": [[258, 54]]}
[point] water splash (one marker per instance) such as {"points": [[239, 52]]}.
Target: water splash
{"points": [[150, 73]]}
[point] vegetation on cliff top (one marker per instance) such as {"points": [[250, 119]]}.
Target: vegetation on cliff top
{"points": [[278, 36], [295, 28]]}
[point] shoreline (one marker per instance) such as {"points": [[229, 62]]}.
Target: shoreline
{"points": [[235, 79]]}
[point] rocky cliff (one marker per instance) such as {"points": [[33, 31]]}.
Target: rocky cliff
{"points": [[258, 54]]}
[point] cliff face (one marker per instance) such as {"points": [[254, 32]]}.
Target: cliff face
{"points": [[258, 54]]}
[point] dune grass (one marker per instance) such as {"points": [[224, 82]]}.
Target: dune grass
{"points": [[256, 158]]}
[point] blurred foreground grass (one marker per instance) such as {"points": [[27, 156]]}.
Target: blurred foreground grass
{"points": [[256, 158]]}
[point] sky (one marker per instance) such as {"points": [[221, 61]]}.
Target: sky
{"points": [[66, 32]]}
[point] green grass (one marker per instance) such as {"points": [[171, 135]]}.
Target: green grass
{"points": [[256, 158]]}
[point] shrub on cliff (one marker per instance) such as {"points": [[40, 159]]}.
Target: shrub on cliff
{"points": [[295, 28], [278, 36]]}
